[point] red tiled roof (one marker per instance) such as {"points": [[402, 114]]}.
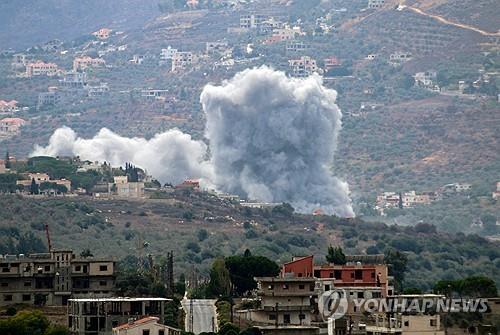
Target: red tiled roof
{"points": [[137, 323]]}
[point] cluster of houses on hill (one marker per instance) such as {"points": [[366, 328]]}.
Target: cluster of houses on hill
{"points": [[387, 200]]}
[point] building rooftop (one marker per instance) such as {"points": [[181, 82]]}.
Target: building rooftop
{"points": [[137, 323], [118, 299]]}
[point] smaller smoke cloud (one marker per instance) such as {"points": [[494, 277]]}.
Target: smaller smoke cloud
{"points": [[171, 156]]}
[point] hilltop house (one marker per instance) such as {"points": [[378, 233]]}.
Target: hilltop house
{"points": [[40, 68], [11, 126], [102, 33], [126, 189], [427, 80], [8, 106], [83, 62], [43, 178]]}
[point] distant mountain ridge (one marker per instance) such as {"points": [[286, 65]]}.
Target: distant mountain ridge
{"points": [[28, 22]]}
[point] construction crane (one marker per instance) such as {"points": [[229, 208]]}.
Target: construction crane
{"points": [[48, 237]]}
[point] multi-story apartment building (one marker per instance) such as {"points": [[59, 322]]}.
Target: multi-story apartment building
{"points": [[52, 278], [360, 271], [40, 68], [252, 21], [286, 305], [303, 66], [81, 63], [98, 316], [181, 60]]}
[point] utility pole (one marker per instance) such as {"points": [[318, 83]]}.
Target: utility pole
{"points": [[191, 315], [48, 237]]}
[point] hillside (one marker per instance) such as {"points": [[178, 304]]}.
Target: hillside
{"points": [[24, 23], [199, 227]]}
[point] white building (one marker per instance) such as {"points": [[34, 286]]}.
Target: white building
{"points": [[376, 4]]}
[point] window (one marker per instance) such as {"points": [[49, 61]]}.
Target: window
{"points": [[433, 323], [84, 269], [337, 274], [47, 268], [302, 316], [327, 287], [78, 268], [26, 297], [376, 295], [5, 270], [270, 287], [27, 284], [361, 295], [145, 332], [104, 268], [4, 284], [302, 286], [161, 332], [317, 273], [373, 274], [407, 323], [7, 297], [103, 283], [272, 317], [286, 319], [358, 274], [300, 275], [331, 275]]}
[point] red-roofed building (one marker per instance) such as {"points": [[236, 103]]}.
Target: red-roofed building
{"points": [[147, 325], [193, 184], [331, 62], [8, 106], [299, 266], [350, 275], [102, 33], [11, 125]]}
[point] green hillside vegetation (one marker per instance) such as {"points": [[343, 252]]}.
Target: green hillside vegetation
{"points": [[198, 228]]}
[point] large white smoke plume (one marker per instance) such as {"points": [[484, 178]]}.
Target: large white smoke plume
{"points": [[271, 139], [171, 156]]}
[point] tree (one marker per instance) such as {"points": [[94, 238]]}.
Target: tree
{"points": [[7, 161], [25, 323], [34, 187], [220, 280], [335, 255], [86, 253], [397, 263], [202, 235], [57, 330], [243, 269]]}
